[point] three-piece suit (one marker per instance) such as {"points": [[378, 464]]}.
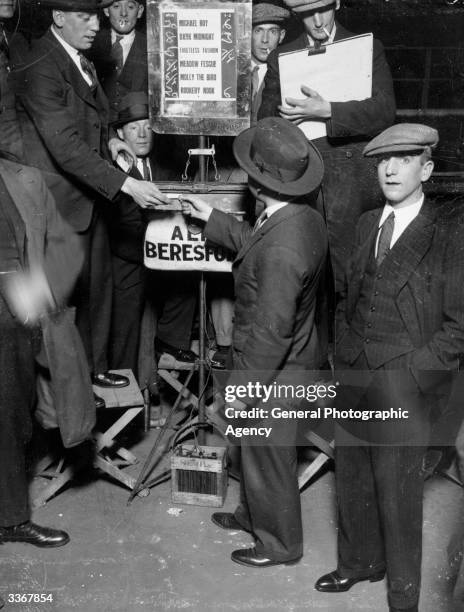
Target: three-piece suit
{"points": [[276, 274], [349, 184], [400, 327]]}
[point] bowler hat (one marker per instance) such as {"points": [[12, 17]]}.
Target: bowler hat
{"points": [[269, 12], [276, 154], [401, 138], [86, 6], [133, 106], [302, 6]]}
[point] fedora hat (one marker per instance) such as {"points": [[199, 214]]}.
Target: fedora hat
{"points": [[87, 6], [276, 154], [133, 106]]}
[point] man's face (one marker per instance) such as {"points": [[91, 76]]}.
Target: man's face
{"points": [[7, 9], [401, 177], [264, 39], [138, 135], [123, 15], [78, 29], [323, 17]]}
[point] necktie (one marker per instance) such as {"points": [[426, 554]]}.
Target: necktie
{"points": [[259, 221], [89, 70], [117, 54], [254, 82], [385, 237], [146, 170]]}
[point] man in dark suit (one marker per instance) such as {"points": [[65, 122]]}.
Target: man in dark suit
{"points": [[400, 330], [268, 20], [348, 187], [276, 275], [173, 293], [120, 53], [65, 127]]}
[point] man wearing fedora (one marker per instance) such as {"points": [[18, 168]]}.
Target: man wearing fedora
{"points": [[174, 294], [120, 53], [65, 126], [276, 274], [268, 20], [400, 331], [349, 186]]}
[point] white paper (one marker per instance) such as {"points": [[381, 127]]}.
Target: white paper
{"points": [[342, 73]]}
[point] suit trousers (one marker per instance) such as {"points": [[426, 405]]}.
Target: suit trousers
{"points": [[92, 295], [270, 498], [18, 347]]}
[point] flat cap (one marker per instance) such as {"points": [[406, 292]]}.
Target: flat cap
{"points": [[269, 12], [301, 6], [402, 137]]}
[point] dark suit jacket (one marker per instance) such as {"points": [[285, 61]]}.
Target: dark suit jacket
{"points": [[425, 270], [349, 186], [133, 76], [276, 274], [65, 130]]}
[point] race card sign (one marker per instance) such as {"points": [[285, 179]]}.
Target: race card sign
{"points": [[199, 66]]}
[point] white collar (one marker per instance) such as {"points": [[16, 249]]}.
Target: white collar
{"points": [[126, 39], [273, 208], [405, 215]]}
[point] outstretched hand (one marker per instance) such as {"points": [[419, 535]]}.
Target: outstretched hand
{"points": [[193, 206]]}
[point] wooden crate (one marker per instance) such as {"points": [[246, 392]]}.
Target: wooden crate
{"points": [[199, 475]]}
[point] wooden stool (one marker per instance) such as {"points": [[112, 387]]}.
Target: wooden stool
{"points": [[130, 400]]}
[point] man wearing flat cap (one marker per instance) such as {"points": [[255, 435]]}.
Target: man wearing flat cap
{"points": [[268, 32], [348, 188], [65, 127], [400, 332], [276, 274]]}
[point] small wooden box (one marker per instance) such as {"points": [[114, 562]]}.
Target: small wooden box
{"points": [[199, 475]]}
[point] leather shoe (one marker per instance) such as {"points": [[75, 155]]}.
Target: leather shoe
{"points": [[219, 358], [411, 609], [99, 401], [334, 583], [183, 355], [226, 520], [110, 379], [249, 557], [30, 533]]}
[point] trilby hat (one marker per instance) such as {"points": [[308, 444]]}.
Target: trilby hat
{"points": [[133, 107], [87, 6]]}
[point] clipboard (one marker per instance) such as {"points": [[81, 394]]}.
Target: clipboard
{"points": [[342, 73]]}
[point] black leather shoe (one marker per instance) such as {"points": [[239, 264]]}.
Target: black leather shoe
{"points": [[30, 533], [109, 379], [411, 609], [99, 401], [249, 557], [334, 583], [226, 520], [183, 355], [219, 358]]}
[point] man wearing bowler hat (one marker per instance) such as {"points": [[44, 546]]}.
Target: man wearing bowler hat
{"points": [[173, 293], [276, 274], [400, 332], [65, 128], [349, 186]]}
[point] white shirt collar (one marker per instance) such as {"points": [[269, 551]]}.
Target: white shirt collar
{"points": [[270, 210], [403, 216], [126, 39]]}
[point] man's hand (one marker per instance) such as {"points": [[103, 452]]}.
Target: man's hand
{"points": [[313, 106], [119, 147], [193, 206], [144, 193]]}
